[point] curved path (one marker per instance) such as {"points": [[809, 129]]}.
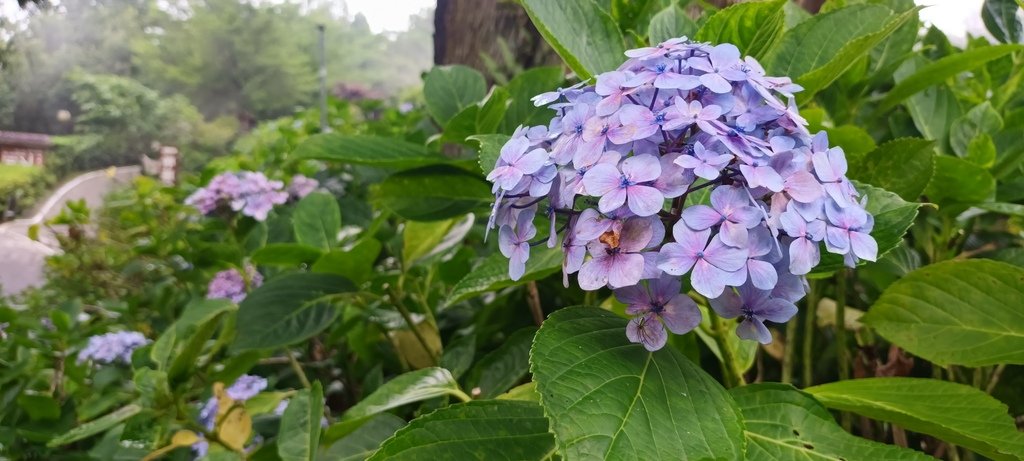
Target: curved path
{"points": [[22, 259]]}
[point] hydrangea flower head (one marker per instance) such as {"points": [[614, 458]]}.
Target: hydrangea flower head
{"points": [[230, 284], [112, 347], [618, 174], [248, 192], [302, 186]]}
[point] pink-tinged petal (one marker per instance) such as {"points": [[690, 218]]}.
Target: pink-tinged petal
{"points": [[635, 235], [816, 230], [837, 240], [591, 225], [754, 330], [710, 112], [793, 224], [762, 274], [641, 168], [776, 310], [725, 257], [803, 187], [837, 158], [747, 216], [651, 270], [588, 153], [609, 82], [675, 260], [681, 314], [803, 256], [532, 161], [633, 114], [505, 177], [612, 200], [622, 134], [644, 200], [517, 260], [657, 232], [602, 179], [725, 197], [706, 171], [647, 331], [823, 168], [688, 161], [720, 160], [642, 53], [768, 178], [736, 278], [724, 54], [506, 240], [708, 280], [835, 190], [513, 150], [864, 246], [728, 305], [573, 259], [693, 241], [734, 235], [609, 104], [594, 273], [716, 83], [674, 81], [626, 270], [635, 295]]}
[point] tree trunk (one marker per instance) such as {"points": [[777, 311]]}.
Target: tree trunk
{"points": [[492, 36]]}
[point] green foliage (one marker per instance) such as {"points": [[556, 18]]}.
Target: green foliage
{"points": [[585, 36], [300, 425], [753, 27], [289, 309]]}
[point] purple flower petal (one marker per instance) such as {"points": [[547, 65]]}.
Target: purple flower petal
{"points": [[647, 331]]}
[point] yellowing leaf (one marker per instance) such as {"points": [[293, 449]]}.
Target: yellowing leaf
{"points": [[181, 438]]}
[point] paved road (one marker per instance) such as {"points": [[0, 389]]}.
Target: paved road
{"points": [[22, 259]]}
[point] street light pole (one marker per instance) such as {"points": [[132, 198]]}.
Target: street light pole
{"points": [[323, 81]]}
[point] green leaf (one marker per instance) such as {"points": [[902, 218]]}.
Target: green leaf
{"points": [[981, 119], [265, 402], [96, 426], [406, 388], [903, 166], [753, 27], [850, 53], [317, 220], [959, 181], [448, 90], [458, 355], [952, 412], [1001, 20], [433, 193], [521, 88], [286, 254], [744, 351], [40, 407], [893, 216], [585, 36], [423, 239], [486, 430], [829, 32], [526, 392], [1011, 209], [288, 309], [937, 72], [490, 149], [461, 125], [492, 111], [608, 398], [962, 312], [783, 423], [355, 264], [981, 151], [856, 142], [363, 442], [193, 329], [299, 436], [670, 22], [367, 150], [933, 109], [492, 273], [501, 369]]}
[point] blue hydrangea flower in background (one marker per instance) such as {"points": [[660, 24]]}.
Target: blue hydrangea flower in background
{"points": [[112, 347], [627, 156], [230, 284], [248, 192], [302, 186]]}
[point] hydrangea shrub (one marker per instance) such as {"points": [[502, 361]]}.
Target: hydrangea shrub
{"points": [[615, 174]]}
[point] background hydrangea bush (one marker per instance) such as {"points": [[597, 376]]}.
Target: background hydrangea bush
{"points": [[825, 211]]}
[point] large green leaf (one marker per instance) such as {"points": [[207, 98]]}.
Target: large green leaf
{"points": [[949, 411], [524, 86], [365, 150], [490, 149], [783, 423], [670, 22], [96, 426], [753, 27], [492, 273], [197, 324], [432, 193], [745, 352], [962, 312], [937, 72], [903, 166], [484, 430], [410, 387], [829, 33], [608, 398], [363, 442], [585, 36], [288, 309], [299, 436], [981, 119], [355, 264], [1002, 21], [958, 181], [893, 216], [286, 254], [423, 239], [317, 220], [850, 53], [934, 109], [501, 369], [450, 89], [885, 58]]}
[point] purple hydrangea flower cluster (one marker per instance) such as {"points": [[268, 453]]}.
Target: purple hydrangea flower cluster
{"points": [[302, 186], [229, 284], [619, 160], [248, 192], [112, 347]]}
